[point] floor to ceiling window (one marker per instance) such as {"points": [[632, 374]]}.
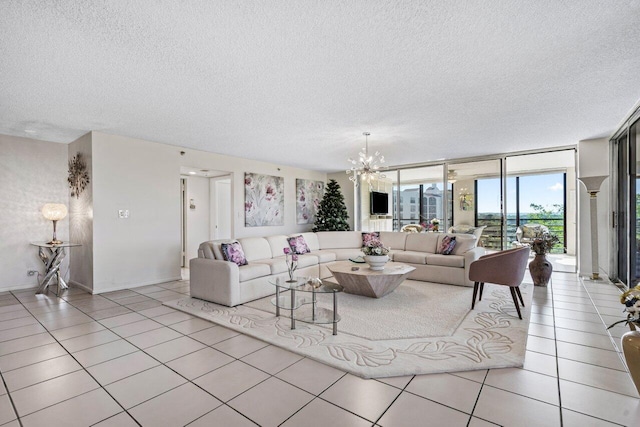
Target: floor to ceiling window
{"points": [[420, 196], [541, 190], [627, 206]]}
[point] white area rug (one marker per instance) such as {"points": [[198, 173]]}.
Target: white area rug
{"points": [[491, 336], [414, 310]]}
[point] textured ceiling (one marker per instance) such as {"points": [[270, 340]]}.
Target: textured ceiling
{"points": [[297, 82]]}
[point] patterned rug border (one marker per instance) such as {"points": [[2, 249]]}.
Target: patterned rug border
{"points": [[491, 336]]}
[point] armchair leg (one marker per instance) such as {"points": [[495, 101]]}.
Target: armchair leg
{"points": [[481, 289], [475, 292], [515, 301], [520, 296]]}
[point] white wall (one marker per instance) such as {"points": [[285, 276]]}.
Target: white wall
{"points": [[237, 167], [32, 173], [144, 178], [81, 220], [198, 219]]}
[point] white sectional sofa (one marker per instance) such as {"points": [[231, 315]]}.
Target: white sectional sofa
{"points": [[223, 282]]}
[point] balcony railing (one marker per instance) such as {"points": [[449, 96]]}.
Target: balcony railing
{"points": [[491, 236]]}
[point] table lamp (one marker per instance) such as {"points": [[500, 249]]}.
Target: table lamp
{"points": [[54, 212]]}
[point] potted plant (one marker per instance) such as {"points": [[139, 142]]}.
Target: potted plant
{"points": [[631, 340], [435, 223], [540, 268], [375, 254]]}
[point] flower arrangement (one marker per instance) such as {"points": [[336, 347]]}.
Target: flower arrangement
{"points": [[292, 261], [631, 301], [435, 221], [543, 243], [375, 247]]}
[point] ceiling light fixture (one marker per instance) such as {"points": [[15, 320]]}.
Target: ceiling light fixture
{"points": [[366, 168]]}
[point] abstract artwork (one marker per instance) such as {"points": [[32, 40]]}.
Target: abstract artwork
{"points": [[263, 200], [308, 197]]}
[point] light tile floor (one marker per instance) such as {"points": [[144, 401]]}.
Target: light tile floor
{"points": [[121, 359]]}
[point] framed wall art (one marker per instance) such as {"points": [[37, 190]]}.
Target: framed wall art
{"points": [[263, 200], [308, 197]]}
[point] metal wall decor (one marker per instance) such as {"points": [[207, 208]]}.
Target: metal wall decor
{"points": [[78, 176]]}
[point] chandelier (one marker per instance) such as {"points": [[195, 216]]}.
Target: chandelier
{"points": [[367, 167]]}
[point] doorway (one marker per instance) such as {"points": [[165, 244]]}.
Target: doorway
{"points": [[206, 209]]}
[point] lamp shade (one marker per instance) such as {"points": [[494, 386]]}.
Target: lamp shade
{"points": [[54, 211]]}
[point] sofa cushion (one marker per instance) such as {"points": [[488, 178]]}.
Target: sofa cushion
{"points": [[393, 239], [213, 249], [256, 248], [252, 271], [205, 250], [298, 245], [343, 254], [325, 256], [311, 239], [445, 260], [339, 239], [464, 243], [277, 265], [277, 244], [412, 257], [307, 260], [233, 252], [422, 242]]}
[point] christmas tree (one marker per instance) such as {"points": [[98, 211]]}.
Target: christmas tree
{"points": [[332, 215]]}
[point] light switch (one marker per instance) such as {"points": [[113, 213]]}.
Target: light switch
{"points": [[123, 213]]}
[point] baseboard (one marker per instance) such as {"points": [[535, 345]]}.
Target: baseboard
{"points": [[19, 288], [137, 285], [81, 286]]}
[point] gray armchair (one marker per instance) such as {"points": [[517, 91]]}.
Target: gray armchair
{"points": [[527, 232]]}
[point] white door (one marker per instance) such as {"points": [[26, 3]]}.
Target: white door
{"points": [[222, 225]]}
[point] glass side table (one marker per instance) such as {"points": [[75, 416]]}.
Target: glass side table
{"points": [[302, 292], [52, 256]]}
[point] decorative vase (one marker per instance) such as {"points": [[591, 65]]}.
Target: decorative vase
{"points": [[631, 349], [376, 262], [435, 228], [540, 269]]}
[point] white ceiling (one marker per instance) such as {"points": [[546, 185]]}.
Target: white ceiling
{"points": [[297, 82]]}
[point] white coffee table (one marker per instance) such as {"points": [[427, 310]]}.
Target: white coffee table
{"points": [[367, 282]]}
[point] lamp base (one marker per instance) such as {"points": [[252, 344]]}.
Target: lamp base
{"points": [[595, 276]]}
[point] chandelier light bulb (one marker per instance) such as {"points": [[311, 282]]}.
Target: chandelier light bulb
{"points": [[367, 168]]}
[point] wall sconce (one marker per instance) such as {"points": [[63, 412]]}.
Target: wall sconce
{"points": [[466, 200], [192, 204]]}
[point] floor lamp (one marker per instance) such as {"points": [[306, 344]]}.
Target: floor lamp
{"points": [[592, 183]]}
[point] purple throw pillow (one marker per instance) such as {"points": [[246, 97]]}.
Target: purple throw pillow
{"points": [[372, 236], [298, 245], [448, 245], [233, 252]]}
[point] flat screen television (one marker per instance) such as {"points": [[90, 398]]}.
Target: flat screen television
{"points": [[379, 203]]}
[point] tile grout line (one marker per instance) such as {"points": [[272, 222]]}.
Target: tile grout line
{"points": [[13, 405], [555, 346], [84, 369]]}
